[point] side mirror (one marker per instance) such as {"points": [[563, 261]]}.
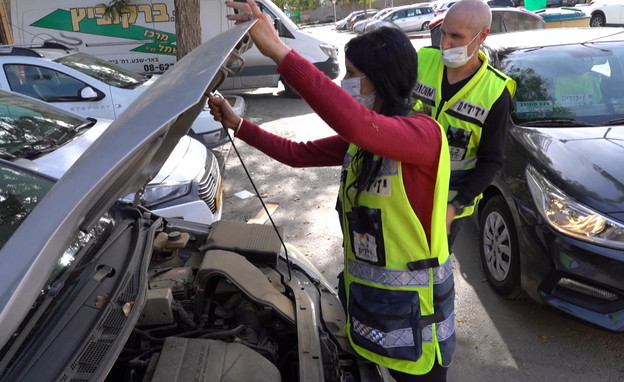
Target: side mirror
{"points": [[282, 31], [88, 93]]}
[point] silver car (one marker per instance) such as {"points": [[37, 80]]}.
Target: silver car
{"points": [[92, 289], [407, 18]]}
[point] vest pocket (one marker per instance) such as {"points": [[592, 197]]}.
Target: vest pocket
{"points": [[386, 321], [366, 234]]}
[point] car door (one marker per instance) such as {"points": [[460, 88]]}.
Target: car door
{"points": [[414, 19], [614, 13], [60, 89], [398, 18]]}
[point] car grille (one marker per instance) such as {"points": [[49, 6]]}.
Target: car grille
{"points": [[209, 186]]}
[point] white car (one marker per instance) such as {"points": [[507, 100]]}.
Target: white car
{"points": [[50, 140], [605, 12], [88, 85], [441, 6]]}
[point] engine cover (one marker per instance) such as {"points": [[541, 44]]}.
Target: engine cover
{"points": [[202, 360]]}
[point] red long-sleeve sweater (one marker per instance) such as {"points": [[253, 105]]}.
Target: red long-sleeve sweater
{"points": [[415, 140]]}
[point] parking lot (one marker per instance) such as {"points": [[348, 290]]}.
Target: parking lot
{"points": [[498, 339]]}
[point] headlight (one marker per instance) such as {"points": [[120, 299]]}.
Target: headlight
{"points": [[570, 217], [157, 194], [330, 50]]}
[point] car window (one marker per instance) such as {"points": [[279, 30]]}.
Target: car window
{"points": [[398, 15], [581, 82], [43, 83], [103, 70], [28, 127], [20, 192]]}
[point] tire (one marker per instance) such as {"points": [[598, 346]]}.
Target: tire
{"points": [[597, 20], [425, 26], [498, 246], [290, 92]]}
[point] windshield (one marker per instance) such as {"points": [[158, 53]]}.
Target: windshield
{"points": [[28, 126], [583, 82], [20, 192], [18, 197], [103, 70]]}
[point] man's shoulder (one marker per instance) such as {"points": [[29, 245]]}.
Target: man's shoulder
{"points": [[428, 52], [499, 79], [497, 73]]}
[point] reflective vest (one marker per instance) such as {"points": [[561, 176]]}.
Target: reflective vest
{"points": [[400, 289], [463, 116]]}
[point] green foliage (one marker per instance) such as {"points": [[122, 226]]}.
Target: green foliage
{"points": [[300, 5], [115, 7]]}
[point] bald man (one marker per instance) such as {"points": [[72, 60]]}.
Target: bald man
{"points": [[472, 102]]}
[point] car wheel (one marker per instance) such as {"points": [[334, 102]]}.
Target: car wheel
{"points": [[597, 20], [290, 92], [425, 25], [498, 245]]}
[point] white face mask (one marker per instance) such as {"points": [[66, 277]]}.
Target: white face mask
{"points": [[352, 86], [456, 57]]}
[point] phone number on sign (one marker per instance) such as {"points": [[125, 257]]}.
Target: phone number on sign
{"points": [[156, 68]]}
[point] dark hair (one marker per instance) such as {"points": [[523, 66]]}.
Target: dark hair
{"points": [[386, 56]]}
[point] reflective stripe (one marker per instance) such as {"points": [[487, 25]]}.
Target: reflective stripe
{"points": [[398, 277], [405, 336], [393, 339], [467, 163], [443, 272], [444, 329]]}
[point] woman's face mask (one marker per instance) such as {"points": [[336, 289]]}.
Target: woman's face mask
{"points": [[456, 57], [352, 86]]}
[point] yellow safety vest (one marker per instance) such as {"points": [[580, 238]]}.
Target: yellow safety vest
{"points": [[393, 278], [463, 116]]}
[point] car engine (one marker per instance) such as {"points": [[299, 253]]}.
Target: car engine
{"points": [[218, 309]]}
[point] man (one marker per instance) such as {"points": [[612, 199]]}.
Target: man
{"points": [[472, 102]]}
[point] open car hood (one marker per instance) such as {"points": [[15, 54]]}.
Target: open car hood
{"points": [[121, 161]]}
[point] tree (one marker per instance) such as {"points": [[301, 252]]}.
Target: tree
{"points": [[187, 26]]}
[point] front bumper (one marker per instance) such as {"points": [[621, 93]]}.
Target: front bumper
{"points": [[210, 132], [573, 276], [330, 67], [203, 203]]}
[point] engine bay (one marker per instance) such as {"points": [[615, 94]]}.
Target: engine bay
{"points": [[219, 308]]}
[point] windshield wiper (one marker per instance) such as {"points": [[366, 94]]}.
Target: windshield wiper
{"points": [[549, 122], [36, 152], [132, 85], [617, 121], [75, 130]]}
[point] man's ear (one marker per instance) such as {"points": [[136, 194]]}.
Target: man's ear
{"points": [[484, 33]]}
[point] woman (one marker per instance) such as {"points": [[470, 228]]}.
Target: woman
{"points": [[392, 198]]}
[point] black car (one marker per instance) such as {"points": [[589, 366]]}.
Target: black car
{"points": [[552, 222], [501, 3], [504, 19]]}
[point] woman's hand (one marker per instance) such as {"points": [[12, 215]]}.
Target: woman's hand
{"points": [[263, 32], [222, 112]]}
